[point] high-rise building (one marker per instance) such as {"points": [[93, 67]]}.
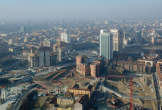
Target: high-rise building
{"points": [[106, 45], [118, 39], [65, 38], [44, 57]]}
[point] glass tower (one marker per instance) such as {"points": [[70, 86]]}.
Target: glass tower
{"points": [[106, 45]]}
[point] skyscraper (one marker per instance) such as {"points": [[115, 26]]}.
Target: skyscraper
{"points": [[44, 56], [106, 45], [118, 37]]}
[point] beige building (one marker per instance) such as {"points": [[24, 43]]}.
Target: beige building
{"points": [[77, 92], [132, 66], [118, 39], [95, 68]]}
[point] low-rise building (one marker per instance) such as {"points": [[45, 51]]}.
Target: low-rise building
{"points": [[95, 68], [82, 66], [133, 66], [65, 101], [87, 68], [77, 92]]}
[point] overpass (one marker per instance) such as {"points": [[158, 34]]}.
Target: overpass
{"points": [[21, 98]]}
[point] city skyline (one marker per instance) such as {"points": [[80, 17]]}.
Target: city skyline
{"points": [[80, 9]]}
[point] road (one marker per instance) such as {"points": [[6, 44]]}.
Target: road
{"points": [[106, 89], [20, 99]]}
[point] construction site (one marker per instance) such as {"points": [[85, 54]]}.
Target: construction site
{"points": [[113, 92]]}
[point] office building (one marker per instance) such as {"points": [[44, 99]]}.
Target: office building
{"points": [[106, 45], [118, 39], [43, 57]]}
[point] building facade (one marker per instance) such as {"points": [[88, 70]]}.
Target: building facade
{"points": [[65, 38], [87, 68], [95, 68], [43, 57], [133, 66], [82, 66], [106, 45], [118, 39], [159, 75]]}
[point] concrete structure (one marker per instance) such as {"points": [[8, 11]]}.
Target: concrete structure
{"points": [[118, 39], [106, 45], [87, 68], [65, 101], [159, 75], [147, 62], [77, 92], [60, 48], [78, 106], [43, 57], [82, 66], [95, 68], [132, 66]]}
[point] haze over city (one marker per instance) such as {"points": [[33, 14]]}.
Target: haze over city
{"points": [[80, 55], [78, 9]]}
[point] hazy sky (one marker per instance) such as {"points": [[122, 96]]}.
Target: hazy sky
{"points": [[49, 9]]}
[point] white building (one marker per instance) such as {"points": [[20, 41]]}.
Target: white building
{"points": [[65, 38]]}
